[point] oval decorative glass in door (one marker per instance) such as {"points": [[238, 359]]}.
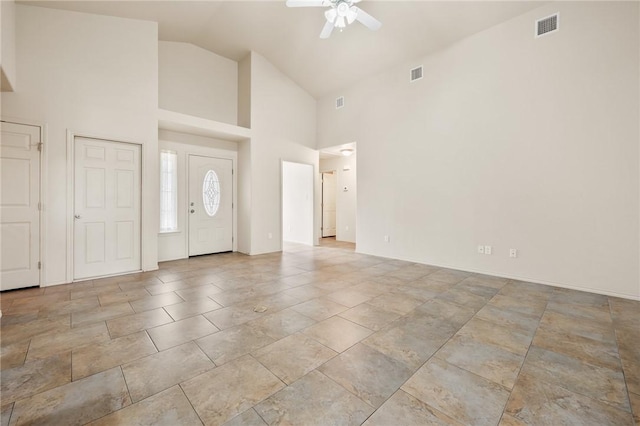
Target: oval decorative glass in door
{"points": [[211, 193]]}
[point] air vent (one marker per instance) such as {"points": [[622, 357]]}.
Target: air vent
{"points": [[547, 25], [416, 74], [339, 102]]}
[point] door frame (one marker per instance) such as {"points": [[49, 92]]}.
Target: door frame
{"points": [[335, 174], [71, 183], [218, 154], [43, 188]]}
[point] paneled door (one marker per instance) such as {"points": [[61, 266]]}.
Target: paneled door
{"points": [[19, 205], [106, 208], [329, 204], [210, 205]]}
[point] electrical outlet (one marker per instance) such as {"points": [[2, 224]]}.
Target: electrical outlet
{"points": [[513, 253], [487, 249], [386, 239], [481, 249]]}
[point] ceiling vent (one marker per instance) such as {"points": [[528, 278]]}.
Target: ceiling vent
{"points": [[339, 102], [416, 74], [547, 25]]}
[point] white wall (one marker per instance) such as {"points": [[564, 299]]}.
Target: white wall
{"points": [[96, 76], [297, 202], [345, 200], [283, 127], [197, 82], [7, 46], [508, 141], [175, 245]]}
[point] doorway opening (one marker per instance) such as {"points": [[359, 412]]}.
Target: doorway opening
{"points": [[328, 204], [297, 203]]}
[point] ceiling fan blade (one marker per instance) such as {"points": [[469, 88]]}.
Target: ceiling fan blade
{"points": [[367, 20], [308, 3], [327, 29]]}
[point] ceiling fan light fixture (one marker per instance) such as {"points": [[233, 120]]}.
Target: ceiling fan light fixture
{"points": [[346, 152]]}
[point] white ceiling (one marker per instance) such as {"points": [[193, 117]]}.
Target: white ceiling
{"points": [[288, 37]]}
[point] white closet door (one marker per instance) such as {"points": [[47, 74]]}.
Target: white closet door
{"points": [[19, 212], [210, 205], [107, 208], [329, 204]]}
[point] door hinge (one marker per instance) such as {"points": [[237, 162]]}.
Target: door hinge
{"points": [[40, 146], [39, 265], [233, 171]]}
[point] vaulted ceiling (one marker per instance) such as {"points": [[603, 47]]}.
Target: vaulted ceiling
{"points": [[288, 37]]}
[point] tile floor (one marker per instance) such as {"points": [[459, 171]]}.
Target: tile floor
{"points": [[346, 339]]}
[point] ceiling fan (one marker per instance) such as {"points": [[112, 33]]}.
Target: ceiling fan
{"points": [[341, 14]]}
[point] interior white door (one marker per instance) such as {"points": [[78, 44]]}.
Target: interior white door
{"points": [[328, 204], [107, 208], [210, 205], [19, 206]]}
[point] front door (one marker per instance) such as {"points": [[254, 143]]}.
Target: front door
{"points": [[210, 205], [106, 208], [328, 204], [19, 206]]}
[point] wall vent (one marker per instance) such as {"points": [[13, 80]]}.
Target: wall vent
{"points": [[547, 25], [416, 74], [339, 102]]}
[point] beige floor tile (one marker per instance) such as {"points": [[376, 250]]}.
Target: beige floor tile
{"points": [[351, 297], [450, 276], [79, 319], [337, 333], [248, 418], [397, 302], [23, 318], [169, 407], [226, 391], [281, 324], [14, 333], [233, 343], [13, 355], [536, 402], [314, 400], [319, 309], [531, 306], [635, 407], [372, 317], [137, 322], [123, 296], [179, 332], [462, 395], [599, 383], [293, 357], [488, 361], [74, 403], [95, 358], [188, 309], [368, 374], [600, 314], [34, 377], [30, 303], [69, 306], [587, 350], [5, 414], [45, 345], [154, 373], [199, 292], [441, 309], [153, 302], [410, 344], [402, 407], [519, 321], [625, 312], [234, 315], [492, 334]]}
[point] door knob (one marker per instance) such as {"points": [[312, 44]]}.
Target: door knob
{"points": [[193, 211], [77, 216]]}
